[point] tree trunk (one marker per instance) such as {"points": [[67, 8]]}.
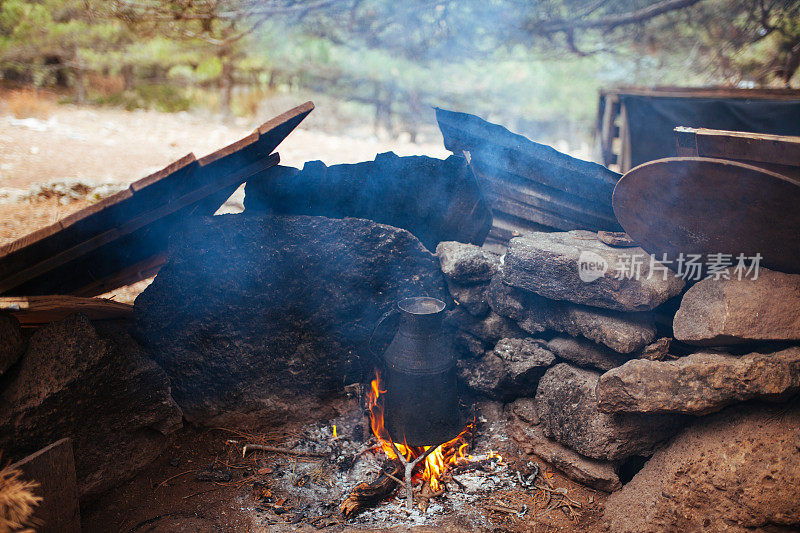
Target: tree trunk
{"points": [[80, 77], [128, 83], [226, 78], [80, 85]]}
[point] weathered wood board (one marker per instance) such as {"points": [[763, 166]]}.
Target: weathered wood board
{"points": [[529, 184], [122, 239], [779, 153], [53, 468], [36, 310]]}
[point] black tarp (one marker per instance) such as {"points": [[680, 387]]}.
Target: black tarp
{"points": [[652, 119]]}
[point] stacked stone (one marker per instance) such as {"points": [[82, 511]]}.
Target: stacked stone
{"points": [[588, 385], [740, 466], [534, 333]]}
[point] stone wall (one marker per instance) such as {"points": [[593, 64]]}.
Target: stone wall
{"points": [[594, 375]]}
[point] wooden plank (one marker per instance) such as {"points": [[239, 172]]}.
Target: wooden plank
{"points": [[56, 227], [543, 197], [136, 272], [96, 246], [706, 92], [53, 468], [520, 156], [157, 177], [539, 216], [135, 224], [45, 309], [757, 147]]}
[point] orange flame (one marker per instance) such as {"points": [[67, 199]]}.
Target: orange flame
{"points": [[437, 462]]}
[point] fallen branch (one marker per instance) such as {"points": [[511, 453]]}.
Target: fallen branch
{"points": [[278, 449], [501, 508]]}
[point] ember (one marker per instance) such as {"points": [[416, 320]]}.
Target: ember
{"points": [[436, 462]]}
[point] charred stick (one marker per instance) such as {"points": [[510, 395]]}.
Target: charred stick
{"points": [[278, 449], [368, 494]]}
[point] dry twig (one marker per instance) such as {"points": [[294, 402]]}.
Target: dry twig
{"points": [[278, 449]]}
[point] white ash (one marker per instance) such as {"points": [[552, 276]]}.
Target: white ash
{"points": [[473, 480]]}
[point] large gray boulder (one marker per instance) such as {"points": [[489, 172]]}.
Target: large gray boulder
{"points": [[524, 429], [566, 403], [555, 265], [12, 344], [93, 384], [735, 471], [258, 318], [509, 371], [699, 383], [622, 332], [719, 312], [467, 264]]}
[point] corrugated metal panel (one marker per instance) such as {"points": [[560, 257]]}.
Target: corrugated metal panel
{"points": [[530, 186]]}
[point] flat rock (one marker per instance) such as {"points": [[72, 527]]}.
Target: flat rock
{"points": [[585, 353], [472, 298], [509, 371], [699, 383], [489, 329], [257, 319], [567, 406], [525, 410], [622, 332], [556, 266], [466, 263], [530, 437], [735, 471], [719, 312], [617, 239], [96, 386], [12, 344]]}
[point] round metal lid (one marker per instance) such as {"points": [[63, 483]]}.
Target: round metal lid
{"points": [[694, 205]]}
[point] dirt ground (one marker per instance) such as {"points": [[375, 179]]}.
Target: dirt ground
{"points": [[104, 144], [166, 497]]}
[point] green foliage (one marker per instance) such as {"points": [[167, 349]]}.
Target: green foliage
{"points": [[158, 96], [502, 59]]}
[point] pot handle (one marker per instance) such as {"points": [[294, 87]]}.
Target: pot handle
{"points": [[386, 315]]}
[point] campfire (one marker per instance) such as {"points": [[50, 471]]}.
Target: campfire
{"points": [[435, 459]]}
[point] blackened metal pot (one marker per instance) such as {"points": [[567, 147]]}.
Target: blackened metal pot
{"points": [[421, 400]]}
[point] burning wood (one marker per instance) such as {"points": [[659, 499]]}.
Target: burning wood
{"points": [[366, 495], [435, 460]]}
